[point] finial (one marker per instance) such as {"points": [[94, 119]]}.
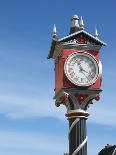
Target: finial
{"points": [[54, 31], [81, 24], [96, 33], [74, 20], [74, 24]]}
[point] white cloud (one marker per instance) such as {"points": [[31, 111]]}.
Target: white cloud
{"points": [[102, 115], [23, 107], [31, 141]]}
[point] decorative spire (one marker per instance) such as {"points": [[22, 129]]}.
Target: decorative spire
{"points": [[81, 24], [74, 20], [74, 24], [96, 33], [54, 35]]}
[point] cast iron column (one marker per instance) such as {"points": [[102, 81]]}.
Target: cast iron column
{"points": [[77, 132]]}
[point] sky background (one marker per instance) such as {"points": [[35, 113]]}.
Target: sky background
{"points": [[30, 124]]}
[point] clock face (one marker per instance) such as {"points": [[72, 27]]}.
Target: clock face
{"points": [[81, 69]]}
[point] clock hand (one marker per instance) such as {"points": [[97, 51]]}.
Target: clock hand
{"points": [[86, 71], [90, 74], [81, 69], [86, 76]]}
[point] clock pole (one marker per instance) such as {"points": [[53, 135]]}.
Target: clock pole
{"points": [[77, 115], [78, 76], [77, 136], [77, 133]]}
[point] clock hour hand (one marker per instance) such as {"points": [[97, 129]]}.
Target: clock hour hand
{"points": [[85, 71], [81, 68]]}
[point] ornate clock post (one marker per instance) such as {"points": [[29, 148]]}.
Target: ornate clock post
{"points": [[78, 76]]}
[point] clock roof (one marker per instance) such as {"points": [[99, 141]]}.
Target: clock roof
{"points": [[75, 32], [84, 33]]}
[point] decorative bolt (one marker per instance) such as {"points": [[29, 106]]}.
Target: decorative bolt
{"points": [[97, 98], [66, 95], [81, 97], [57, 103]]}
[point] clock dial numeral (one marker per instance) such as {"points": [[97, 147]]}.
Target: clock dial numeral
{"points": [[70, 70], [72, 74], [82, 80], [76, 79], [92, 74]]}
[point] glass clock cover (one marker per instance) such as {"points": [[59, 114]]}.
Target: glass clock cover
{"points": [[81, 69]]}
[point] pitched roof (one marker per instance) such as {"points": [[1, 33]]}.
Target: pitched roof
{"points": [[85, 33], [58, 41]]}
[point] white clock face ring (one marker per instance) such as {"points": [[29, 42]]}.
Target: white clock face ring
{"points": [[81, 69]]}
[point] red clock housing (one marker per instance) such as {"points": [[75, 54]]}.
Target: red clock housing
{"points": [[61, 81]]}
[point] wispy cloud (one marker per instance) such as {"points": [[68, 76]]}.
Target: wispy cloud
{"points": [[31, 141], [104, 115], [18, 107]]}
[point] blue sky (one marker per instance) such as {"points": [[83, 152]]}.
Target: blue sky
{"points": [[30, 124]]}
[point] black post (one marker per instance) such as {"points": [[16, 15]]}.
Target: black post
{"points": [[77, 132]]}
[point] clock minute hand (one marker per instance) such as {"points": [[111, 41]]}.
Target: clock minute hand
{"points": [[85, 71], [85, 75], [81, 69]]}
